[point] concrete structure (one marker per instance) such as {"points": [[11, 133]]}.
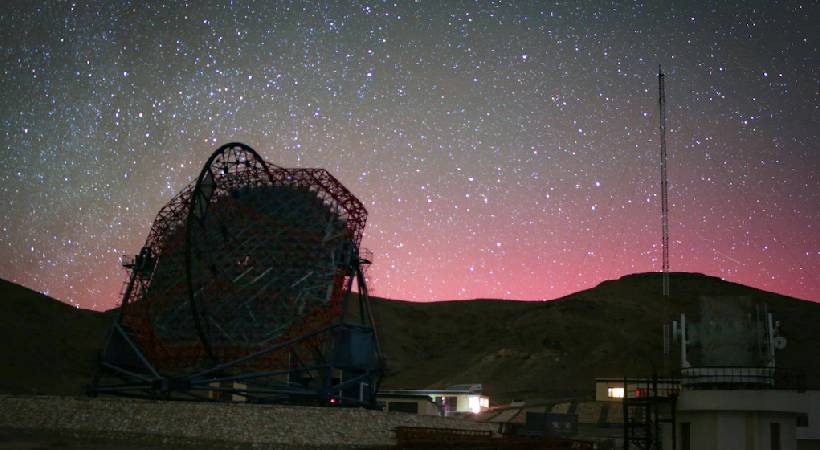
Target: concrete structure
{"points": [[808, 424], [737, 419], [731, 394], [733, 410]]}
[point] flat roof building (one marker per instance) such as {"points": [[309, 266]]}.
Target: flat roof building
{"points": [[462, 399]]}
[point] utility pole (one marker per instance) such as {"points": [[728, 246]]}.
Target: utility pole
{"points": [[664, 201]]}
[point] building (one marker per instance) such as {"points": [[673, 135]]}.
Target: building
{"points": [[731, 395], [462, 399], [408, 403], [734, 413], [718, 408], [808, 424], [615, 389]]}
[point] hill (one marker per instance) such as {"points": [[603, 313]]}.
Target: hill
{"points": [[48, 347], [527, 350], [555, 349]]}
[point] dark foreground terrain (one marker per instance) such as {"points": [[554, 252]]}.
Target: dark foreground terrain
{"points": [[518, 350], [136, 424], [13, 439], [48, 346]]}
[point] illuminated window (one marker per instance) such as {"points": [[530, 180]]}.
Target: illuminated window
{"points": [[615, 392], [485, 402], [475, 404]]}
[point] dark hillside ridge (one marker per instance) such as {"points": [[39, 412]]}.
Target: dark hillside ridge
{"points": [[555, 349], [518, 350], [48, 347]]}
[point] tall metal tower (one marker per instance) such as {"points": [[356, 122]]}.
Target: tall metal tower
{"points": [[664, 202]]}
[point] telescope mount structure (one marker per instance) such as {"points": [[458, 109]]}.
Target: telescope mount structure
{"points": [[250, 287]]}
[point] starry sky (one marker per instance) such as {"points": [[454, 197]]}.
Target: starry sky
{"points": [[504, 149]]}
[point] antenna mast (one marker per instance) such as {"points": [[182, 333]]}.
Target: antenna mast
{"points": [[664, 203]]}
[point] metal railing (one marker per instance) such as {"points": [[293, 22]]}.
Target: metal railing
{"points": [[641, 388], [742, 378]]}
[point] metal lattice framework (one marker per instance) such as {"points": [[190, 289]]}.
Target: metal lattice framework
{"points": [[248, 268]]}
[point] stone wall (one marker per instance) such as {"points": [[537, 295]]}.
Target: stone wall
{"points": [[238, 423]]}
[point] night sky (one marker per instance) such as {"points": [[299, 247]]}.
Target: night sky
{"points": [[504, 149]]}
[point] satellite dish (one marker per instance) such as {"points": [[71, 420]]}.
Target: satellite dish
{"points": [[248, 273], [780, 342]]}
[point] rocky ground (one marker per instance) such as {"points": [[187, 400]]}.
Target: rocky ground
{"points": [[136, 424]]}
